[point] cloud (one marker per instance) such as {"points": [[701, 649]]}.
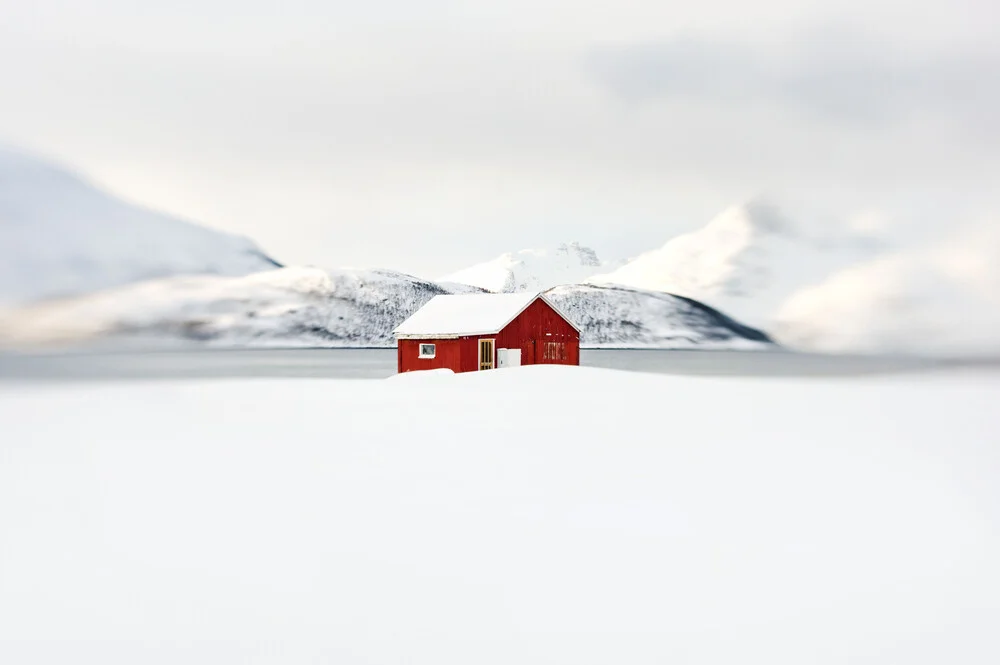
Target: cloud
{"points": [[940, 299], [837, 74]]}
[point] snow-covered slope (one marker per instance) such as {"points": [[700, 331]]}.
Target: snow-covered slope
{"points": [[746, 262], [313, 307], [285, 307], [632, 318], [532, 269], [62, 236]]}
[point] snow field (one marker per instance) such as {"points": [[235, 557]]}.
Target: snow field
{"points": [[532, 515]]}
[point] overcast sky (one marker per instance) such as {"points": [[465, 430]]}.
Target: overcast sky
{"points": [[425, 135]]}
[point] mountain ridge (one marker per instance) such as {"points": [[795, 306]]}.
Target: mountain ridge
{"points": [[65, 236], [531, 269], [746, 261], [310, 307]]}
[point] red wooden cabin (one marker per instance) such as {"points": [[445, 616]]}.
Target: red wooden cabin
{"points": [[468, 333]]}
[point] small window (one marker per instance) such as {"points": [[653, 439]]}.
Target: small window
{"points": [[427, 350]]}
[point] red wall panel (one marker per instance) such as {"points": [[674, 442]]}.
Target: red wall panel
{"points": [[470, 353], [535, 326], [446, 355]]}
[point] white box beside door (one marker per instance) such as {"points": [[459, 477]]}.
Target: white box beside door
{"points": [[508, 357]]}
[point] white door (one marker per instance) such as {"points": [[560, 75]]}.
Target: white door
{"points": [[509, 357]]}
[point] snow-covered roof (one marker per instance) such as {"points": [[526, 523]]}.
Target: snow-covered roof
{"points": [[466, 314]]}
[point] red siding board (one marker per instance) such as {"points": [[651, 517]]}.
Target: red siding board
{"points": [[537, 324], [532, 328], [446, 354], [470, 354]]}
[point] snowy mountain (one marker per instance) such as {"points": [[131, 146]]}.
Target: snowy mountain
{"points": [[285, 307], [83, 267], [532, 269], [631, 318], [312, 307], [746, 262], [63, 236]]}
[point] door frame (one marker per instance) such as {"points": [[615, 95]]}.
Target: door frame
{"points": [[479, 353]]}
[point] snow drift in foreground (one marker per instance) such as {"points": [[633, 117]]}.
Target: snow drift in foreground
{"points": [[62, 236], [532, 269], [313, 307], [608, 518], [746, 262]]}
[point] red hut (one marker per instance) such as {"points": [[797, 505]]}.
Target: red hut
{"points": [[467, 333]]}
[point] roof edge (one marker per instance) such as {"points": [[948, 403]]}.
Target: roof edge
{"points": [[433, 336], [453, 335], [556, 310]]}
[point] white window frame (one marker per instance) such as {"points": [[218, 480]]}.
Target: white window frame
{"points": [[420, 351]]}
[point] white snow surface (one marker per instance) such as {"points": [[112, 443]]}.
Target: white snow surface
{"points": [[532, 269], [745, 262], [321, 308], [466, 314], [618, 518], [62, 236]]}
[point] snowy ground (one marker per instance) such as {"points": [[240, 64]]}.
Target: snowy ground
{"points": [[538, 515]]}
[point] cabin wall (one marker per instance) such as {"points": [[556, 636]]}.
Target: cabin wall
{"points": [[470, 352], [447, 355], [535, 326]]}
